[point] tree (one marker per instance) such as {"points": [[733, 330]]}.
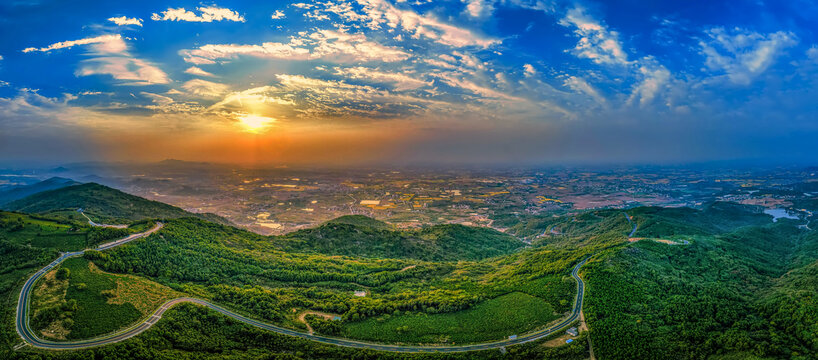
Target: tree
{"points": [[63, 273]]}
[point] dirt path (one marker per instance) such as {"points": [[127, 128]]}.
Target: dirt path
{"points": [[583, 326], [302, 318], [408, 267]]}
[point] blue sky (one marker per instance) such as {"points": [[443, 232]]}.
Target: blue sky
{"points": [[471, 81]]}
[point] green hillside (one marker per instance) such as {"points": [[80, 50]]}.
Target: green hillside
{"points": [[102, 204], [367, 237], [743, 288]]}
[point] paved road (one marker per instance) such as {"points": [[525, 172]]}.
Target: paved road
{"points": [[92, 223], [29, 336], [22, 318], [632, 223]]}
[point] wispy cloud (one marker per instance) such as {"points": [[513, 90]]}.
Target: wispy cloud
{"points": [[321, 44], [206, 14], [205, 88], [741, 54], [278, 14], [399, 81], [596, 41], [380, 14], [197, 71], [72, 43], [580, 85]]}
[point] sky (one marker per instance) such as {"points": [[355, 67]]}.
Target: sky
{"points": [[340, 82]]}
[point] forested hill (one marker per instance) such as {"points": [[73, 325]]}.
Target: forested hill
{"points": [[367, 237], [102, 204], [20, 192]]}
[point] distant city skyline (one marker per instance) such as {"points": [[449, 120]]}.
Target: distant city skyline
{"points": [[361, 82]]}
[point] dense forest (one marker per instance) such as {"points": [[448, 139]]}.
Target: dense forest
{"points": [[357, 235], [102, 204], [738, 290]]}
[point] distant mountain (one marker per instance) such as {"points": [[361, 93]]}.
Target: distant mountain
{"points": [[366, 237], [20, 192], [102, 203]]}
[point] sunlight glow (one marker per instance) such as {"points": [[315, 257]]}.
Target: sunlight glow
{"points": [[255, 123]]}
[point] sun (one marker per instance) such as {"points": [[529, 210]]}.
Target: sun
{"points": [[255, 123]]}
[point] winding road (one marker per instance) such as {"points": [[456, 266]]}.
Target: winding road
{"points": [[22, 319], [632, 223]]}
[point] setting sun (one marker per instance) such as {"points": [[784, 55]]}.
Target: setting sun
{"points": [[255, 123]]}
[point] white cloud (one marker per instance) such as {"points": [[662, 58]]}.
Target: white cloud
{"points": [[580, 85], [197, 71], [321, 44], [596, 42], [479, 8], [278, 14], [529, 70], [379, 13], [400, 82], [71, 43], [655, 79], [741, 54], [122, 20], [132, 70], [812, 53], [206, 14], [205, 88], [110, 57], [483, 91]]}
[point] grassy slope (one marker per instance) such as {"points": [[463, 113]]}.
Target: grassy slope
{"points": [[365, 237], [101, 203], [513, 313]]}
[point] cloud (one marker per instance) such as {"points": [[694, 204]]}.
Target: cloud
{"points": [[157, 99], [479, 8], [205, 88], [529, 70], [582, 86], [741, 54], [132, 70], [596, 42], [321, 44], [399, 81], [655, 79], [197, 71], [278, 14], [110, 57], [207, 14], [122, 20], [376, 14], [459, 82], [72, 43]]}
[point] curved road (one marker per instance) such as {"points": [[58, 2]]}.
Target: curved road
{"points": [[31, 338], [632, 223]]}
